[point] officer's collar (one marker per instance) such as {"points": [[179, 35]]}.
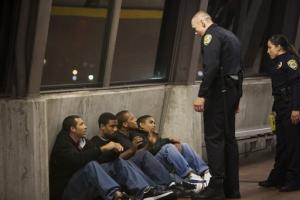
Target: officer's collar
{"points": [[210, 27], [280, 57]]}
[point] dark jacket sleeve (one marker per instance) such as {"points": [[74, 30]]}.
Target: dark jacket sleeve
{"points": [[104, 156], [70, 157], [158, 145], [211, 62], [107, 157], [296, 95], [294, 79]]}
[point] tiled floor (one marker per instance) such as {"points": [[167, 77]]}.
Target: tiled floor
{"points": [[251, 173]]}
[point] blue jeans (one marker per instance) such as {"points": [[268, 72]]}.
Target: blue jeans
{"points": [[89, 183], [182, 162], [129, 176], [152, 167], [194, 160]]}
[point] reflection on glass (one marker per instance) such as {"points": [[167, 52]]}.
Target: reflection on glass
{"points": [[74, 72], [74, 42], [137, 42], [91, 77]]}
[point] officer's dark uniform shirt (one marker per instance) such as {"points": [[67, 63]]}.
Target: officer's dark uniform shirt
{"points": [[285, 77], [220, 47]]}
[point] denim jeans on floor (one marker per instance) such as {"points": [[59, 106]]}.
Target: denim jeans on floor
{"points": [[128, 175], [183, 162], [152, 167], [89, 183], [194, 160]]}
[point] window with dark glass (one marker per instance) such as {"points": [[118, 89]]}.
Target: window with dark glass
{"points": [[74, 45], [137, 42], [75, 40]]}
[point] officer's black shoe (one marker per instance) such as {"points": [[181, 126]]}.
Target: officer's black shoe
{"points": [[268, 183], [290, 187], [209, 194], [235, 195]]}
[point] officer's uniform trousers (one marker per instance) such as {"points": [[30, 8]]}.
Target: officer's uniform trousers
{"points": [[287, 160], [220, 143]]}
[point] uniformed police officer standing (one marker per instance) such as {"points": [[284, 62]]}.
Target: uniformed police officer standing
{"points": [[285, 77], [218, 98]]}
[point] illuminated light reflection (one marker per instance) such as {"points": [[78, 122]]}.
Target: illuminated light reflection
{"points": [[74, 78], [91, 77], [75, 72]]}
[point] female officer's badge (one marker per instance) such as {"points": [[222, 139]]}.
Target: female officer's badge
{"points": [[292, 64], [207, 39]]}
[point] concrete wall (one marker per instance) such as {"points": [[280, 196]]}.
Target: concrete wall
{"points": [[24, 152], [29, 127], [255, 106]]}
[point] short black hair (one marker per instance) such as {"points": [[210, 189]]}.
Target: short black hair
{"points": [[105, 117], [122, 117], [142, 119], [69, 122]]}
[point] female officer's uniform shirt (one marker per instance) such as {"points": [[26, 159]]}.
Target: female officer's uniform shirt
{"points": [[286, 80]]}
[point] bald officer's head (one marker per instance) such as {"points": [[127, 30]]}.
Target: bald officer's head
{"points": [[200, 22]]}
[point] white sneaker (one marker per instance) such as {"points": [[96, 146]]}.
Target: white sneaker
{"points": [[195, 177], [199, 187], [198, 181], [207, 176]]}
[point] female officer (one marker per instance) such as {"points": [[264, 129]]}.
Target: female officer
{"points": [[285, 77]]}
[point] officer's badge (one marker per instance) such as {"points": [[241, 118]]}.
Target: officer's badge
{"points": [[292, 64], [207, 39]]}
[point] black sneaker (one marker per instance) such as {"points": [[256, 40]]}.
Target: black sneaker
{"points": [[187, 185], [181, 191], [152, 193]]}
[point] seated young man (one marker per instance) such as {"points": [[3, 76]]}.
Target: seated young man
{"points": [[171, 153], [73, 172], [107, 127], [127, 123], [142, 158]]}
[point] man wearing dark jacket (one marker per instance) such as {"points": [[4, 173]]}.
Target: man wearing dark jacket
{"points": [[136, 181], [132, 151], [171, 153], [73, 173]]}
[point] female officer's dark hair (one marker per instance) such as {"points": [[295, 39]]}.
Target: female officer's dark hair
{"points": [[284, 43]]}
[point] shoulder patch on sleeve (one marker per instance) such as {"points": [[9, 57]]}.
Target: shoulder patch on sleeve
{"points": [[207, 39], [292, 64]]}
